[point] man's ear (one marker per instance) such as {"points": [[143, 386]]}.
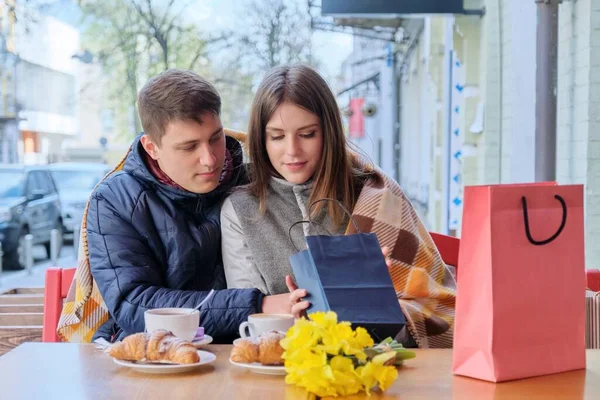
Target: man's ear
{"points": [[149, 146]]}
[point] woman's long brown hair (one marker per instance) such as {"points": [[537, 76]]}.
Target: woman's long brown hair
{"points": [[334, 177]]}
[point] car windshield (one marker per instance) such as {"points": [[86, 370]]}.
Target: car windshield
{"points": [[80, 180], [12, 183]]}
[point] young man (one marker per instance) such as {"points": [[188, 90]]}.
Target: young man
{"points": [[153, 227]]}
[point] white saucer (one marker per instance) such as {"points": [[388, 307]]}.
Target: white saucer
{"points": [[261, 369], [207, 339], [205, 358]]}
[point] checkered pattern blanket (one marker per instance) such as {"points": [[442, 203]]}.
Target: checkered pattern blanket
{"points": [[424, 285]]}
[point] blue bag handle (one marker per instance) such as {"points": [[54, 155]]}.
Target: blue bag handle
{"points": [[339, 203], [304, 222], [309, 221]]}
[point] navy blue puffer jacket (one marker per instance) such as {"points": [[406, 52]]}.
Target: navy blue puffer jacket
{"points": [[152, 245]]}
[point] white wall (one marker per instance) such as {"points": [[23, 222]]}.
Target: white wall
{"points": [[509, 70], [417, 114], [579, 111], [520, 65], [575, 91], [387, 110]]}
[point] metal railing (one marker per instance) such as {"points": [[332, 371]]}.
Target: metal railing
{"points": [[29, 253], [55, 249]]}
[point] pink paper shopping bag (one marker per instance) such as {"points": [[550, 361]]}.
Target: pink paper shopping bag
{"points": [[520, 308]]}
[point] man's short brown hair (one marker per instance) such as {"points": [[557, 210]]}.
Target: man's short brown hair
{"points": [[175, 95]]}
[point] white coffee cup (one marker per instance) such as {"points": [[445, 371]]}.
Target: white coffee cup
{"points": [[183, 322], [258, 324]]}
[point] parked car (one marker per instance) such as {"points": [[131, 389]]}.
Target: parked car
{"points": [[29, 204], [75, 182]]}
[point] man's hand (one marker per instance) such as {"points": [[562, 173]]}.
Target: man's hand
{"points": [[286, 303]]}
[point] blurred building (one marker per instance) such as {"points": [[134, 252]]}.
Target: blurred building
{"points": [[52, 106], [44, 81], [9, 131], [465, 95]]}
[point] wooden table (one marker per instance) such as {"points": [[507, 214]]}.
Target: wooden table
{"points": [[71, 371]]}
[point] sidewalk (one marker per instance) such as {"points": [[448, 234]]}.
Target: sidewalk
{"points": [[16, 279]]}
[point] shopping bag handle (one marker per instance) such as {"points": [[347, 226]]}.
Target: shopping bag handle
{"points": [[560, 228], [304, 222], [340, 205]]}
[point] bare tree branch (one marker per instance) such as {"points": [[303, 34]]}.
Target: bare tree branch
{"points": [[278, 32], [167, 11]]}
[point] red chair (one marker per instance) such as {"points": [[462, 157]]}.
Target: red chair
{"points": [[58, 281], [448, 248], [593, 279]]}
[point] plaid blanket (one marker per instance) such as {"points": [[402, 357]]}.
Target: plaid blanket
{"points": [[84, 310], [424, 285]]}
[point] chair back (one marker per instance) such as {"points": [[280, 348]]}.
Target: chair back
{"points": [[448, 247], [58, 281]]}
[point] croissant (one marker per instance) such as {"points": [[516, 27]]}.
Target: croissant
{"points": [[269, 349], [265, 350], [245, 351], [159, 346]]}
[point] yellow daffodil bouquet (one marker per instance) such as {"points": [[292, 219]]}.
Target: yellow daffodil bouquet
{"points": [[328, 358]]}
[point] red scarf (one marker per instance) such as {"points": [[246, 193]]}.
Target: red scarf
{"points": [[163, 178], [159, 173]]}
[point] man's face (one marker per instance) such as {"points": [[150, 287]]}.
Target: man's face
{"points": [[191, 154]]}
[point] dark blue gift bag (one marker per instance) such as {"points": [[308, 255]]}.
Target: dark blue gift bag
{"points": [[347, 274]]}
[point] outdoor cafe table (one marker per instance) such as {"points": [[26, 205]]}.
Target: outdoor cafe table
{"points": [[81, 371]]}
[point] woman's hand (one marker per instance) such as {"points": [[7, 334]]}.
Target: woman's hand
{"points": [[386, 254], [296, 295], [287, 303]]}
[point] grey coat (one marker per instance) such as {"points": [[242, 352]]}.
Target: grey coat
{"points": [[256, 247]]}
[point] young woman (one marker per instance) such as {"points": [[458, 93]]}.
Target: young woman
{"points": [[299, 154]]}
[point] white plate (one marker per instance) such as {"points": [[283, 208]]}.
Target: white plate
{"points": [[261, 369], [207, 339], [205, 358]]}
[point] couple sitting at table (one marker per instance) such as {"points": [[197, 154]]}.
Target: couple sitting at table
{"points": [[161, 231]]}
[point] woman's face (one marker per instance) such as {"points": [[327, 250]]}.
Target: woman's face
{"points": [[294, 140]]}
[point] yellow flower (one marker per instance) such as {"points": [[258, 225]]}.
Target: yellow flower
{"points": [[363, 338], [304, 358], [320, 353], [346, 379], [385, 375], [324, 319], [302, 334], [376, 372], [351, 348], [315, 380], [335, 336]]}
